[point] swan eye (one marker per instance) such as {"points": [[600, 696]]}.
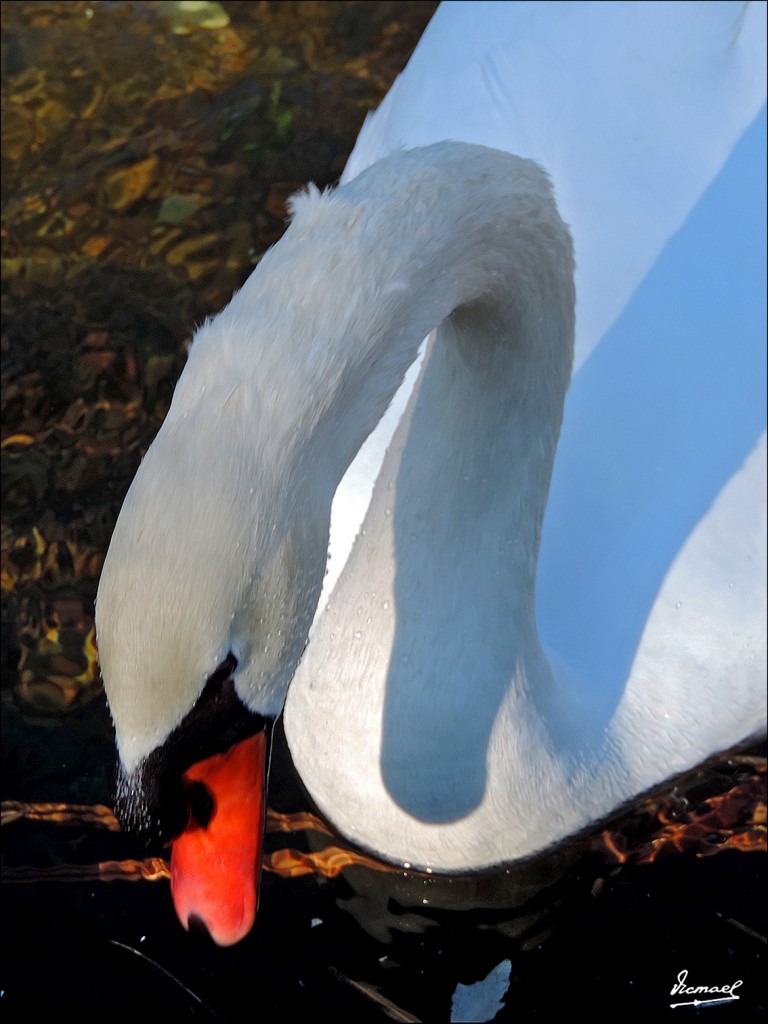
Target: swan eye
{"points": [[201, 804]]}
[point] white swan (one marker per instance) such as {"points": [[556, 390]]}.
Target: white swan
{"points": [[453, 708]]}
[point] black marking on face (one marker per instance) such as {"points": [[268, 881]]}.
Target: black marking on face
{"points": [[152, 803]]}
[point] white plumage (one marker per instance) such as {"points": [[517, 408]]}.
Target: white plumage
{"points": [[454, 706]]}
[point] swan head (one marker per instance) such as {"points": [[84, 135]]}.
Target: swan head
{"points": [[211, 558], [204, 604]]}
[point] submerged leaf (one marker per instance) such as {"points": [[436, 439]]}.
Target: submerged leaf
{"points": [[124, 187]]}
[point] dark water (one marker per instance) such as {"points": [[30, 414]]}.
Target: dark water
{"points": [[147, 157]]}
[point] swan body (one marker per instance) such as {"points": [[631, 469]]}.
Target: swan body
{"points": [[411, 719], [496, 661]]}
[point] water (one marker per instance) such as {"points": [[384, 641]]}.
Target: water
{"points": [[148, 154]]}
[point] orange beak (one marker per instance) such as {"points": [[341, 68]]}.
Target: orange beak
{"points": [[216, 861]]}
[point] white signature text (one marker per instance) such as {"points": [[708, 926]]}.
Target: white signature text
{"points": [[707, 991]]}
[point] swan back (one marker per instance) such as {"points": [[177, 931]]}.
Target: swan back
{"points": [[596, 93]]}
